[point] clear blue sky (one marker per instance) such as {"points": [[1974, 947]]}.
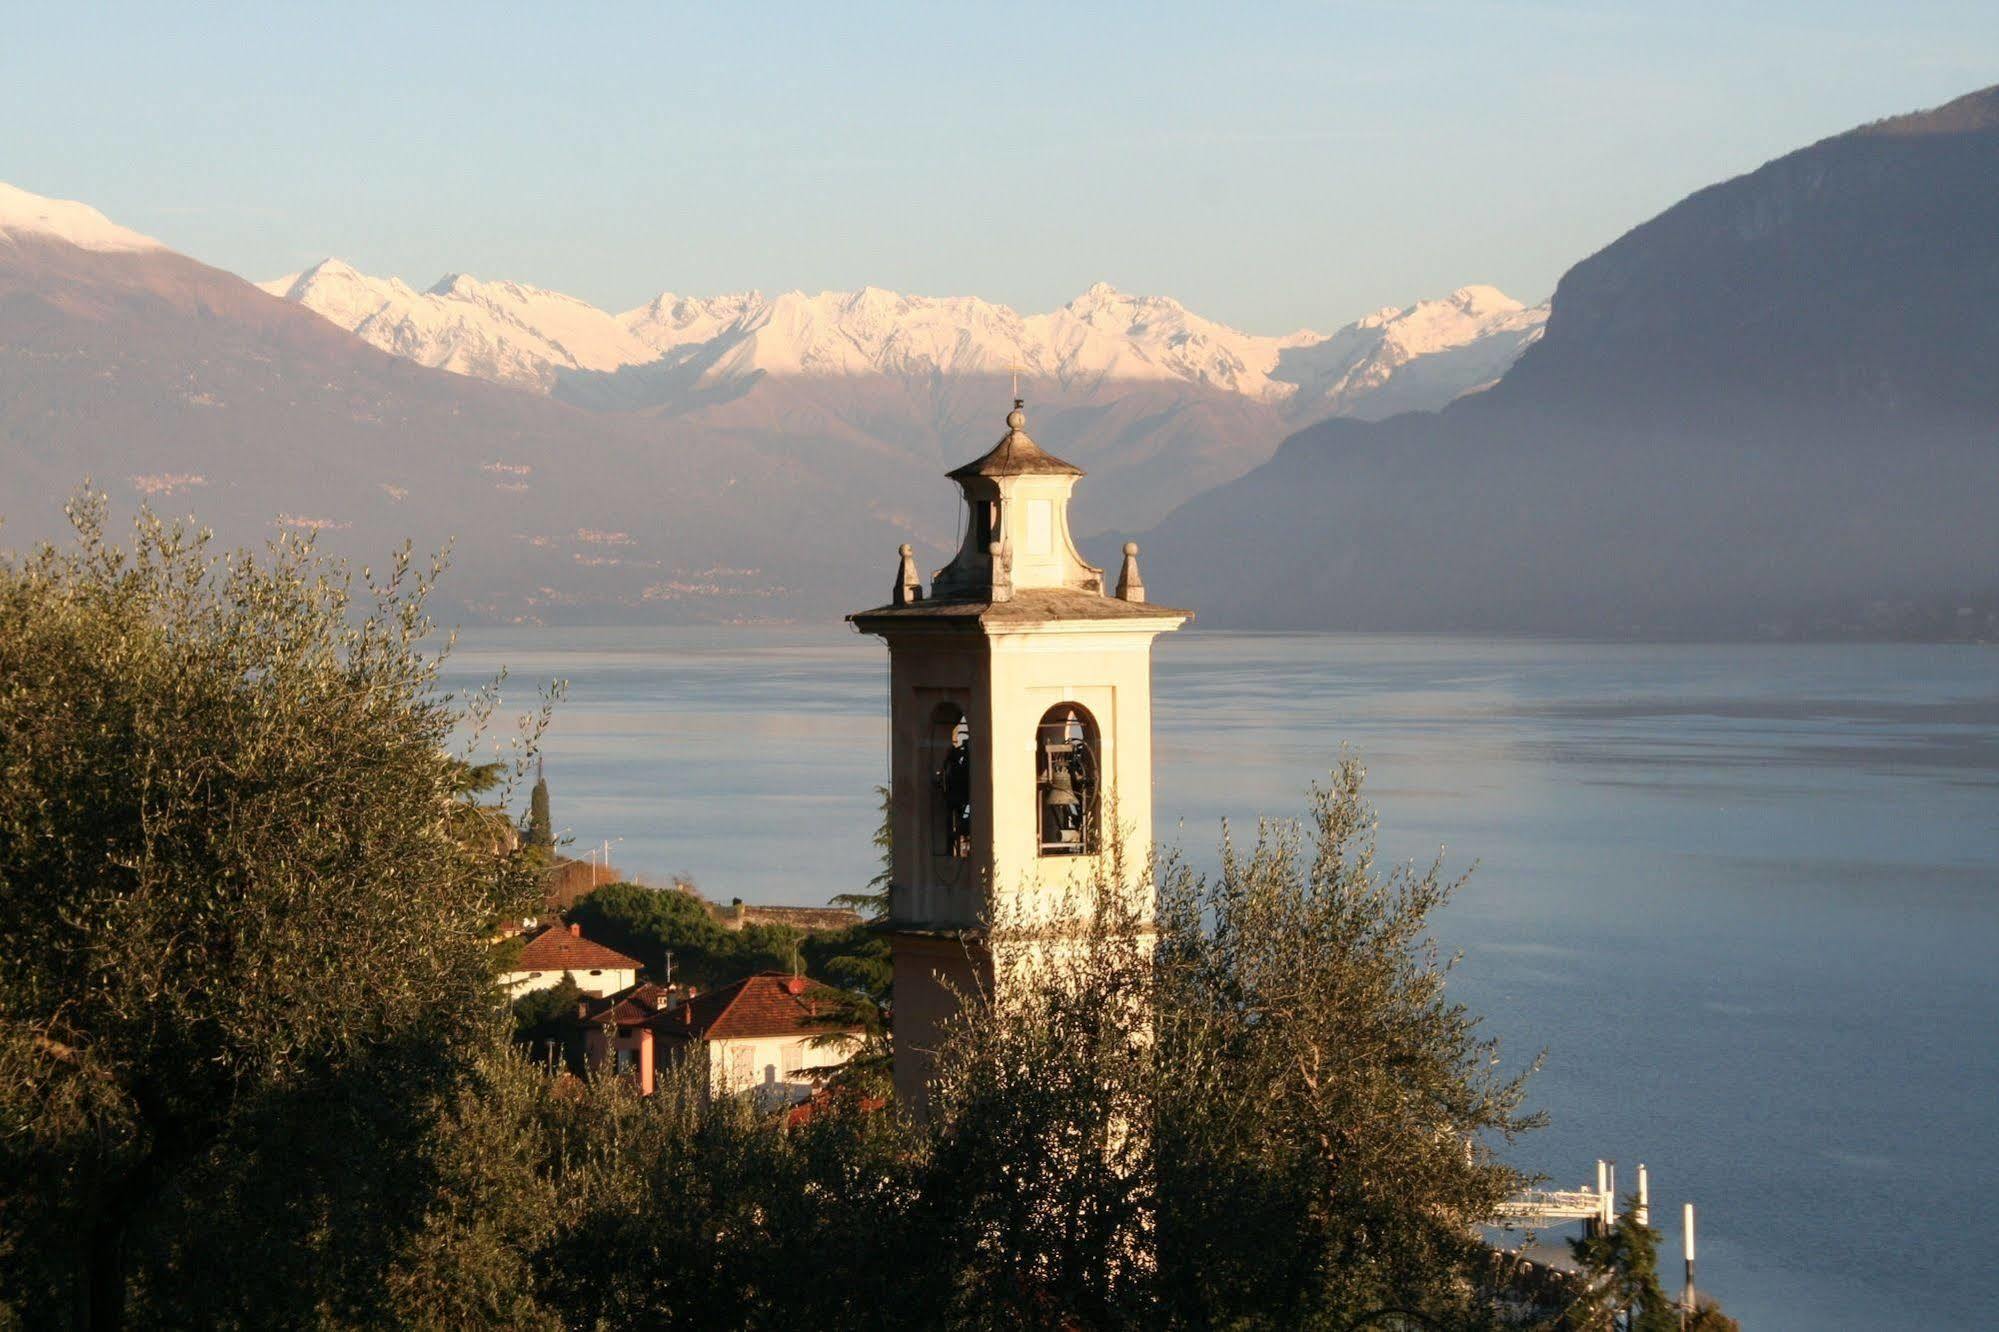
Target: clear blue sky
{"points": [[1270, 166]]}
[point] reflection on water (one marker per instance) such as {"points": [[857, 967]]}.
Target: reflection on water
{"points": [[1746, 896]]}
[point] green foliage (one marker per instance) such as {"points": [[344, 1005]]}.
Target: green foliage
{"points": [[648, 923], [246, 1009], [239, 899], [541, 826], [1273, 1117], [1621, 1286], [855, 959], [1621, 1271], [583, 1206], [858, 961], [470, 780], [1708, 1317], [1325, 1094], [538, 1010]]}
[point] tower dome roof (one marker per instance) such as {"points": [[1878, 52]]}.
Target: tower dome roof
{"points": [[1015, 454]]}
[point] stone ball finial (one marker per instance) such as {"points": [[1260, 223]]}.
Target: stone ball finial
{"points": [[905, 549], [1130, 587], [1016, 419]]}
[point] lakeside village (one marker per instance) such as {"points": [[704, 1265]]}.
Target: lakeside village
{"points": [[1017, 635], [743, 1008]]}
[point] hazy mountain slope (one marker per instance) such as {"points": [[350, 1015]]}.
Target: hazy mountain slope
{"points": [[1771, 409], [1146, 446], [175, 382], [164, 378], [1162, 402], [1859, 271]]}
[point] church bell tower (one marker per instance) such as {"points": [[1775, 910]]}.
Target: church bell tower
{"points": [[1020, 731]]}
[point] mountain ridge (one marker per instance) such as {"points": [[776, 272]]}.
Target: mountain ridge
{"points": [[1769, 410], [502, 331]]}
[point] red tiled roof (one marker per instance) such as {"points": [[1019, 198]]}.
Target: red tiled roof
{"points": [[761, 1005], [556, 949], [634, 1008]]}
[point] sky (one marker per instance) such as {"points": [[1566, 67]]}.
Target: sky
{"points": [[1270, 166]]}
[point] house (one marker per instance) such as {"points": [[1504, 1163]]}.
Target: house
{"points": [[757, 1035], [560, 951], [618, 1032]]}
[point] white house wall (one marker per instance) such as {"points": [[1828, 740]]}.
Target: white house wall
{"points": [[591, 982]]}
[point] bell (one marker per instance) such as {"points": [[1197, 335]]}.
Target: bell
{"points": [[1061, 790]]}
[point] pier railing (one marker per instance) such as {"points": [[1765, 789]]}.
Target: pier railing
{"points": [[1596, 1208]]}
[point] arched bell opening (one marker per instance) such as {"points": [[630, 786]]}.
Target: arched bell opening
{"points": [[1066, 779], [987, 524], [948, 759]]}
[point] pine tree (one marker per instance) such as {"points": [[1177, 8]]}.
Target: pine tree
{"points": [[1622, 1267]]}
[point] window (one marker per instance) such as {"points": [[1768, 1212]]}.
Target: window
{"points": [[1066, 780], [949, 760]]}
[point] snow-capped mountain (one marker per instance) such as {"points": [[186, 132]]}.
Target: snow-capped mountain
{"points": [[24, 214], [1420, 357], [501, 331], [669, 322], [1412, 359]]}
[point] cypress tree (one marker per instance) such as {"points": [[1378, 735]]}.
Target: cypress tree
{"points": [[541, 829]]}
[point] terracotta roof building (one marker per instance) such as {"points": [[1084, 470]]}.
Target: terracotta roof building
{"points": [[618, 1032], [761, 1035], [560, 951]]}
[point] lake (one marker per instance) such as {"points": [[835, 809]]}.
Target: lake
{"points": [[1745, 896]]}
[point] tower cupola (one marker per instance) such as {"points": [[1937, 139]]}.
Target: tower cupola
{"points": [[1016, 522]]}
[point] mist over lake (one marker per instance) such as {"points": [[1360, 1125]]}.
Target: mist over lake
{"points": [[1746, 896]]}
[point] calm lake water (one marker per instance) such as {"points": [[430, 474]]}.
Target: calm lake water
{"points": [[1747, 897]]}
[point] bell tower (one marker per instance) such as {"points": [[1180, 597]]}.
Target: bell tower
{"points": [[1020, 730]]}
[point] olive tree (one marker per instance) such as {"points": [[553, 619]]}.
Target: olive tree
{"points": [[1258, 1108], [244, 918]]}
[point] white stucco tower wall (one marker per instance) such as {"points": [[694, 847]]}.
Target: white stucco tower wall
{"points": [[1020, 732]]}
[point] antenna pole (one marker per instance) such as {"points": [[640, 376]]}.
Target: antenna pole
{"points": [[1687, 1238]]}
